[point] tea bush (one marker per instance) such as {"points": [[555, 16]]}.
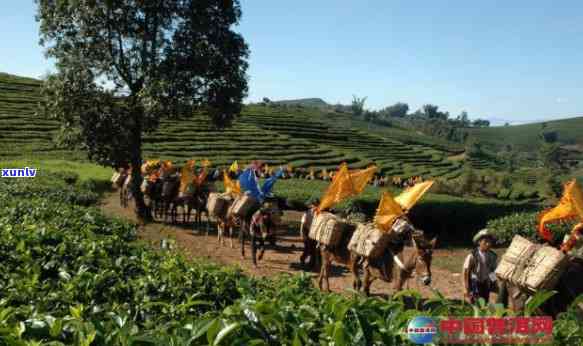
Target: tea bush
{"points": [[526, 225], [69, 275]]}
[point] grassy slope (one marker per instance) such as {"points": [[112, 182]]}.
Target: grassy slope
{"points": [[304, 137], [301, 136], [525, 137]]}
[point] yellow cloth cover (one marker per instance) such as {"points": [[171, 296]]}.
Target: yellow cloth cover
{"points": [[186, 174], [230, 185], [234, 167], [391, 208], [570, 206], [345, 184], [387, 211], [361, 177], [408, 198]]}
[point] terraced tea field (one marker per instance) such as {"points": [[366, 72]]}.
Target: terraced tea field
{"points": [[302, 137]]}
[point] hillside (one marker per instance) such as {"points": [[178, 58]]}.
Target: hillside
{"points": [[304, 137], [525, 137], [308, 102]]}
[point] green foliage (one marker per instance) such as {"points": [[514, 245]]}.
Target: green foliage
{"points": [[72, 276], [148, 52], [525, 224], [357, 106]]}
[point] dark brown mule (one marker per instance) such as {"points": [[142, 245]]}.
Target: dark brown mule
{"points": [[568, 289], [417, 263], [226, 223], [337, 254], [199, 202], [124, 191], [261, 226], [169, 197], [153, 191], [310, 249]]}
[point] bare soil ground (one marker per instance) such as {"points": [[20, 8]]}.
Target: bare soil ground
{"points": [[284, 258]]}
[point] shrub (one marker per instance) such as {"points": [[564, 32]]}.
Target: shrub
{"points": [[526, 225]]}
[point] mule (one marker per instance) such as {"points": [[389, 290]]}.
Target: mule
{"points": [[417, 263], [261, 226], [567, 289], [169, 198]]}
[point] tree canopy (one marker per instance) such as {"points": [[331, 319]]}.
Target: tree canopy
{"points": [[124, 65]]}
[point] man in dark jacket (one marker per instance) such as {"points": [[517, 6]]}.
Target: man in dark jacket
{"points": [[479, 268]]}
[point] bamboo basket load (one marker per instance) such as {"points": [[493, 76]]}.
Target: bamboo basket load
{"points": [[218, 204], [327, 229], [530, 266], [118, 179], [244, 205], [368, 241]]}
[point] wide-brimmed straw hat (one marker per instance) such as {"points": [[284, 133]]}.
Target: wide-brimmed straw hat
{"points": [[485, 233]]}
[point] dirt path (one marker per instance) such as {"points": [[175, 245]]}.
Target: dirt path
{"points": [[283, 259]]}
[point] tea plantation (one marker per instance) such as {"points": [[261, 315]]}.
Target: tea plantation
{"points": [[303, 137], [69, 275]]}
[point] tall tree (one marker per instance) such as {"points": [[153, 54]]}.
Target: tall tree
{"points": [[398, 110], [122, 65], [357, 105]]}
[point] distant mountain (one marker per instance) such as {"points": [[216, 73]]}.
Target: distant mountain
{"points": [[308, 102]]}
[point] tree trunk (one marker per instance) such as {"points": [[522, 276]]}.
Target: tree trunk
{"points": [[143, 213]]}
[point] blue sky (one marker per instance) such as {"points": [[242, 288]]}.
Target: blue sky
{"points": [[515, 61]]}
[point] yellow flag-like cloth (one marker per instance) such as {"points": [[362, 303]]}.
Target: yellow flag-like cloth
{"points": [[345, 184], [230, 185], [186, 175], [387, 211], [410, 196], [234, 167], [391, 208], [167, 167], [570, 206], [361, 177]]}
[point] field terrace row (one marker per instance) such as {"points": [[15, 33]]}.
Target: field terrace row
{"points": [[393, 157]]}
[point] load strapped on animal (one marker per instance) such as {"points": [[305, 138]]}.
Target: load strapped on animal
{"points": [[244, 205], [530, 266], [118, 178], [371, 239], [327, 229], [218, 204], [368, 241], [534, 267]]}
